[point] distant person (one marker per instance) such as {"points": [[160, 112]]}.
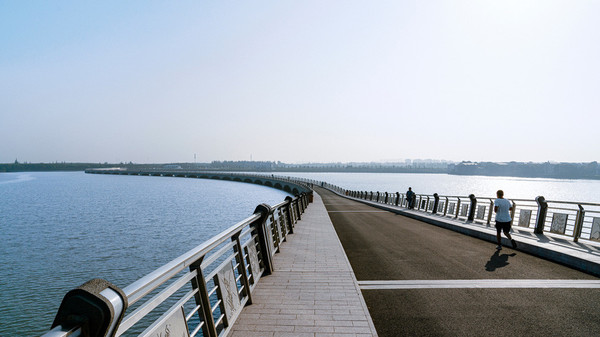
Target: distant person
{"points": [[502, 208], [410, 197]]}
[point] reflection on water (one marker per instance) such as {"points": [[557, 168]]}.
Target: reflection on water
{"points": [[9, 178]]}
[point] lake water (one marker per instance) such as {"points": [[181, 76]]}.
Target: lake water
{"points": [[58, 230]]}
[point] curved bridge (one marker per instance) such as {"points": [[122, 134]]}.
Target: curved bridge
{"points": [[207, 287], [288, 185]]}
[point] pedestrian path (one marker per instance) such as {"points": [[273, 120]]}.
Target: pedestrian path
{"points": [[583, 255], [424, 280], [312, 292], [411, 284]]}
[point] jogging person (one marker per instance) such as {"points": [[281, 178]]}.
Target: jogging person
{"points": [[502, 208]]}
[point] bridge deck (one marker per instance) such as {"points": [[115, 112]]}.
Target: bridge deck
{"points": [[313, 291], [416, 279]]}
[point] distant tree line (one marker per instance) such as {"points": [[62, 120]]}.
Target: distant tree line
{"points": [[32, 167], [529, 170], [511, 169]]}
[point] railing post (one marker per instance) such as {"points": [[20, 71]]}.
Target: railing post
{"points": [[202, 299], [446, 206], [263, 237], [371, 196], [397, 198], [436, 203], [472, 209], [297, 207], [512, 212], [578, 223], [377, 196], [541, 215], [288, 214], [489, 218], [303, 201], [386, 198]]}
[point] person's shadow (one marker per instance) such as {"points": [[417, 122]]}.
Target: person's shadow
{"points": [[498, 261]]}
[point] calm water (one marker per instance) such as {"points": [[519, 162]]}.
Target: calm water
{"points": [[59, 230], [444, 184]]}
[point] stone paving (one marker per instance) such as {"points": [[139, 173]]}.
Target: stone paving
{"points": [[312, 292]]}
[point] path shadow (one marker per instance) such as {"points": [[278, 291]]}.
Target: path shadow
{"points": [[498, 261]]}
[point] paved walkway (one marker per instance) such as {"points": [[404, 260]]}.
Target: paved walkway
{"points": [[424, 280], [312, 292], [583, 255], [419, 279]]}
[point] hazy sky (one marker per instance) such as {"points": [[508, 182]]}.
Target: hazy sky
{"points": [[299, 81]]}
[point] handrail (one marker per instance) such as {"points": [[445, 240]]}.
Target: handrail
{"points": [[213, 292], [578, 220], [133, 290]]}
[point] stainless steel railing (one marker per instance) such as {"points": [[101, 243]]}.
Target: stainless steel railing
{"points": [[574, 220], [200, 293], [578, 220]]}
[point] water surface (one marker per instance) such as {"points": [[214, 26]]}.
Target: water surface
{"points": [[59, 230]]}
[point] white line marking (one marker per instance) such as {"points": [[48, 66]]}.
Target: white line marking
{"points": [[357, 211], [475, 284]]}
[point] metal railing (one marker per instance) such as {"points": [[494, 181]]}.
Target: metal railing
{"points": [[579, 220], [200, 293], [576, 220]]}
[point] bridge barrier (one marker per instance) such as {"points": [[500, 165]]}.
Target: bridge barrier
{"points": [[574, 220], [200, 293], [578, 220]]}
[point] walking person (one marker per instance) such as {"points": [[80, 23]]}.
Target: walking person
{"points": [[502, 208], [410, 196]]}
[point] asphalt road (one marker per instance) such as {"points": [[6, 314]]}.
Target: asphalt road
{"points": [[383, 246]]}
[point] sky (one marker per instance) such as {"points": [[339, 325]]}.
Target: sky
{"points": [[299, 81]]}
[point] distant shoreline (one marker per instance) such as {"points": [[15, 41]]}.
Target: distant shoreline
{"points": [[588, 171]]}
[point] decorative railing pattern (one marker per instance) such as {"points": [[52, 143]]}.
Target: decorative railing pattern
{"points": [[200, 293]]}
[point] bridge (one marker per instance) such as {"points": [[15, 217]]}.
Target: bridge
{"points": [[350, 264]]}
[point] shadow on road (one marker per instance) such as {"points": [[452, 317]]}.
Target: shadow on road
{"points": [[498, 261]]}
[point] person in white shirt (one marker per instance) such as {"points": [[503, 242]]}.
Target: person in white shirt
{"points": [[502, 208]]}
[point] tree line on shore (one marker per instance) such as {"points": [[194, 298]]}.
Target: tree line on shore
{"points": [[511, 169]]}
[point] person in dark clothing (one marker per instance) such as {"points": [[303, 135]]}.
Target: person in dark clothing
{"points": [[410, 197]]}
